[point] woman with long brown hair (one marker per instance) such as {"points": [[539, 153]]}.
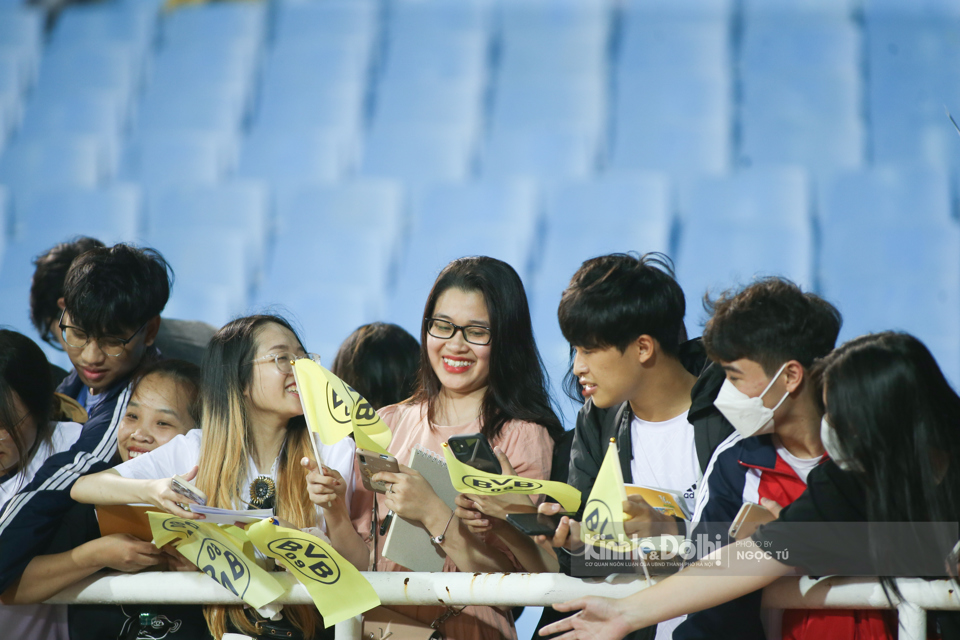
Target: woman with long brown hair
{"points": [[254, 439]]}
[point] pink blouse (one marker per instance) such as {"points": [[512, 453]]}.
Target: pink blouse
{"points": [[529, 448]]}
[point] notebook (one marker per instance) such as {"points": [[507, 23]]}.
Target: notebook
{"points": [[666, 501], [408, 543], [125, 518]]}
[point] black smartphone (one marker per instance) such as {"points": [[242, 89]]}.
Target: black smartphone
{"points": [[474, 450], [537, 524]]}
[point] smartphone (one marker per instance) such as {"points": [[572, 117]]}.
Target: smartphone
{"points": [[186, 489], [748, 519], [538, 524], [372, 462], [474, 450]]}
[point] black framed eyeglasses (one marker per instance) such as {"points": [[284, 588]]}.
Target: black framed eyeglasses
{"points": [[472, 333], [77, 338]]}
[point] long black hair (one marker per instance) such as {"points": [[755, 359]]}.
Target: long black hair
{"points": [[24, 374], [898, 420], [517, 384], [381, 361]]}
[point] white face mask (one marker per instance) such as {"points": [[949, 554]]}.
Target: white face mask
{"points": [[829, 438], [747, 415]]}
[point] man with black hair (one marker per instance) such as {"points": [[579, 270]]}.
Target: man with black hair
{"points": [[110, 318], [176, 339], [623, 316], [766, 337]]}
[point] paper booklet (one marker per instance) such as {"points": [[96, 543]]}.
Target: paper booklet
{"points": [[133, 519], [666, 501], [408, 543]]}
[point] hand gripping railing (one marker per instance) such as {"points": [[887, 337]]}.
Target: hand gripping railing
{"points": [[502, 589]]}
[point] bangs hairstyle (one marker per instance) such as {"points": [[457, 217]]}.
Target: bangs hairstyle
{"points": [[185, 374], [24, 373], [516, 387], [227, 445], [111, 291], [46, 287], [770, 322], [895, 414], [614, 299], [381, 361]]}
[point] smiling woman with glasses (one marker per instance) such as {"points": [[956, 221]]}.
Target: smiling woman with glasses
{"points": [[249, 453]]}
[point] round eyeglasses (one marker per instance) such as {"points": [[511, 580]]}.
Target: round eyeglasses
{"points": [[77, 338], [284, 361], [472, 333]]}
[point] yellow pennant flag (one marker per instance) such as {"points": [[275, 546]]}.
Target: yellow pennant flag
{"points": [[326, 399], [369, 429], [218, 555], [338, 589], [466, 479], [602, 524]]}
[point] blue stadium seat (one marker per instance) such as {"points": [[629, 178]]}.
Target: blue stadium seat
{"points": [[206, 264], [549, 154], [754, 223], [21, 29], [419, 56], [557, 54], [886, 195], [651, 45], [131, 23], [290, 159], [336, 248], [290, 65], [579, 103], [179, 157], [897, 275], [664, 96], [211, 108], [310, 21], [498, 219], [771, 45], [419, 154], [925, 9], [337, 105], [430, 17], [825, 147], [68, 160], [700, 146], [46, 216], [67, 71], [672, 10], [454, 103], [236, 206], [520, 18], [585, 219], [215, 22], [800, 9]]}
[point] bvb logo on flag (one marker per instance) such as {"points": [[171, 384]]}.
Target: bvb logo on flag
{"points": [[223, 566], [339, 407], [496, 485], [365, 414], [307, 558]]}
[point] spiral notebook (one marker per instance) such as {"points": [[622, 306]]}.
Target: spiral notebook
{"points": [[408, 543]]}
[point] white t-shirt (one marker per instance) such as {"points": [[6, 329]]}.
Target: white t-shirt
{"points": [[181, 454], [802, 466], [665, 456], [64, 435], [37, 621]]}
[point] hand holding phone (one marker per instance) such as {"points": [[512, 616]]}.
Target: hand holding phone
{"points": [[474, 450], [538, 524], [369, 463], [185, 488], [748, 520]]}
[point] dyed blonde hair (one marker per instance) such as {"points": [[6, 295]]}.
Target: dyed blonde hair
{"points": [[227, 445]]}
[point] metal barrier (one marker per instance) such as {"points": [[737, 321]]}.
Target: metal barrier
{"points": [[501, 589]]}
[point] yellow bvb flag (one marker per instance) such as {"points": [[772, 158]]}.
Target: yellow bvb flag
{"points": [[219, 555], [466, 479], [336, 586], [334, 410], [602, 524]]}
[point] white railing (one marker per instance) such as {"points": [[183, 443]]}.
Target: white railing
{"points": [[501, 589]]}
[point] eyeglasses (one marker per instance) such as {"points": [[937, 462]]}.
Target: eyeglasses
{"points": [[284, 361], [77, 338], [473, 333]]}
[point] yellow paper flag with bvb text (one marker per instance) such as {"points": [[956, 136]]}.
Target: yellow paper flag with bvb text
{"points": [[326, 399], [602, 524], [466, 479], [336, 586], [369, 429], [218, 555]]}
